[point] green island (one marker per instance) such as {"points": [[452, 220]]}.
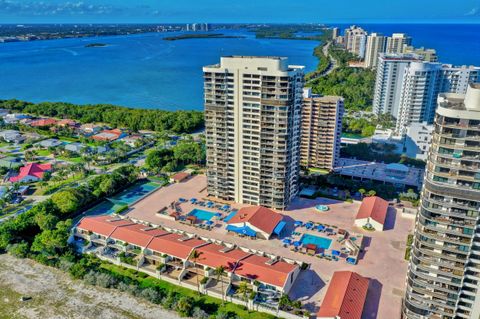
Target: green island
{"points": [[290, 32], [203, 36], [95, 45], [116, 116]]}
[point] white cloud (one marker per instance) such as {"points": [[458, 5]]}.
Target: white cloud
{"points": [[473, 12]]}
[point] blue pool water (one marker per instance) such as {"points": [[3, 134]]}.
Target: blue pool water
{"points": [[320, 242], [201, 214]]}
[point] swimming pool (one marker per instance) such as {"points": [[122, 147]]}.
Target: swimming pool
{"points": [[320, 242], [201, 214]]}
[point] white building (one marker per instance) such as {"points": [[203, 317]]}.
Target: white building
{"points": [[356, 40], [428, 55], [397, 42], [388, 84], [252, 127], [418, 139], [376, 44]]}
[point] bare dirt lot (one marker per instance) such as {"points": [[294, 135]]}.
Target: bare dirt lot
{"points": [[55, 295]]}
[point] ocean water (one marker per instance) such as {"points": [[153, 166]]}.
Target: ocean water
{"points": [[140, 71], [145, 71], [457, 44]]}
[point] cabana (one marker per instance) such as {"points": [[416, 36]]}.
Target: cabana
{"points": [[310, 249], [243, 230]]}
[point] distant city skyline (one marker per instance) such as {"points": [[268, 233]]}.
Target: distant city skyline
{"points": [[217, 11]]}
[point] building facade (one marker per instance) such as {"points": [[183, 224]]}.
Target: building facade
{"points": [[428, 55], [443, 279], [321, 130], [376, 44], [252, 127], [397, 42], [389, 80], [356, 40], [418, 139]]}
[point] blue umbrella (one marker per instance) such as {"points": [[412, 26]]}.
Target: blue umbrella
{"points": [[287, 241], [298, 223], [320, 227], [297, 243], [335, 253], [209, 222], [309, 225]]}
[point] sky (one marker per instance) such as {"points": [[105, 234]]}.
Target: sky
{"points": [[235, 11]]}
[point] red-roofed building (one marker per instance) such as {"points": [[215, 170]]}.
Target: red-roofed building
{"points": [[213, 256], [32, 172], [43, 122], [278, 274], [137, 234], [345, 297], [258, 218], [175, 245], [109, 135], [99, 228], [373, 212], [179, 177], [67, 123]]}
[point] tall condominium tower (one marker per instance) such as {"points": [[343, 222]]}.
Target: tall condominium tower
{"points": [[356, 40], [428, 55], [397, 42], [443, 279], [407, 87], [388, 84], [376, 43], [321, 130], [252, 124]]}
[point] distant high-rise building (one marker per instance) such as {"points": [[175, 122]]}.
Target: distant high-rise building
{"points": [[428, 55], [252, 127], [388, 84], [443, 279], [356, 40], [397, 42], [376, 44], [321, 130], [407, 87], [334, 33]]}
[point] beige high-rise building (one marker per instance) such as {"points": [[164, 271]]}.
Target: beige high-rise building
{"points": [[252, 127], [443, 279], [428, 55], [397, 42], [356, 40], [376, 44], [321, 130]]}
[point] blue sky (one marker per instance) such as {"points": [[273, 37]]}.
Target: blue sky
{"points": [[180, 11]]}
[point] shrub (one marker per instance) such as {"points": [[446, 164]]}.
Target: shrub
{"points": [[90, 278], [151, 295], [19, 250], [199, 313], [105, 280], [204, 280], [184, 306]]}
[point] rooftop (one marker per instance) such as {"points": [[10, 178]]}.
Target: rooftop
{"points": [[373, 207], [260, 217], [103, 225], [345, 297]]}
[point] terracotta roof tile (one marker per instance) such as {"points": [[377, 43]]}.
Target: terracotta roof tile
{"points": [[137, 234], [31, 169], [173, 245], [258, 216], [103, 224], [373, 207], [255, 267], [213, 256], [345, 297]]}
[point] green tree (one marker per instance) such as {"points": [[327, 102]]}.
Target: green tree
{"points": [[52, 242], [244, 290], [219, 272], [66, 201], [194, 255]]}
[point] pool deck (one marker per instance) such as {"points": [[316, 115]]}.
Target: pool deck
{"points": [[383, 261]]}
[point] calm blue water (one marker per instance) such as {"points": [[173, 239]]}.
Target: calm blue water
{"points": [[138, 70], [147, 72], [455, 43], [320, 242], [201, 214]]}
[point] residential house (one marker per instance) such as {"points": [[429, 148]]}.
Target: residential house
{"points": [[109, 135], [372, 212], [90, 129], [132, 140], [12, 136], [15, 117], [75, 147], [32, 172], [43, 122], [51, 142], [10, 162]]}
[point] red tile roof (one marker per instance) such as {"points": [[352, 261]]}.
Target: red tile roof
{"points": [[180, 176], [31, 169], [373, 207], [43, 122], [137, 234], [66, 122], [213, 256], [103, 224], [345, 296], [173, 246], [108, 135], [255, 267], [258, 216]]}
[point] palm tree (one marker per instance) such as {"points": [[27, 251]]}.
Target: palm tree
{"points": [[362, 191], [219, 271], [244, 290], [195, 254], [372, 193]]}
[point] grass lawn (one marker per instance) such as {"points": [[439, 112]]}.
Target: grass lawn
{"points": [[77, 159], [68, 139], [53, 186], [146, 281], [318, 171], [43, 152]]}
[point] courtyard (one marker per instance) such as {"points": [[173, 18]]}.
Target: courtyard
{"points": [[382, 258]]}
